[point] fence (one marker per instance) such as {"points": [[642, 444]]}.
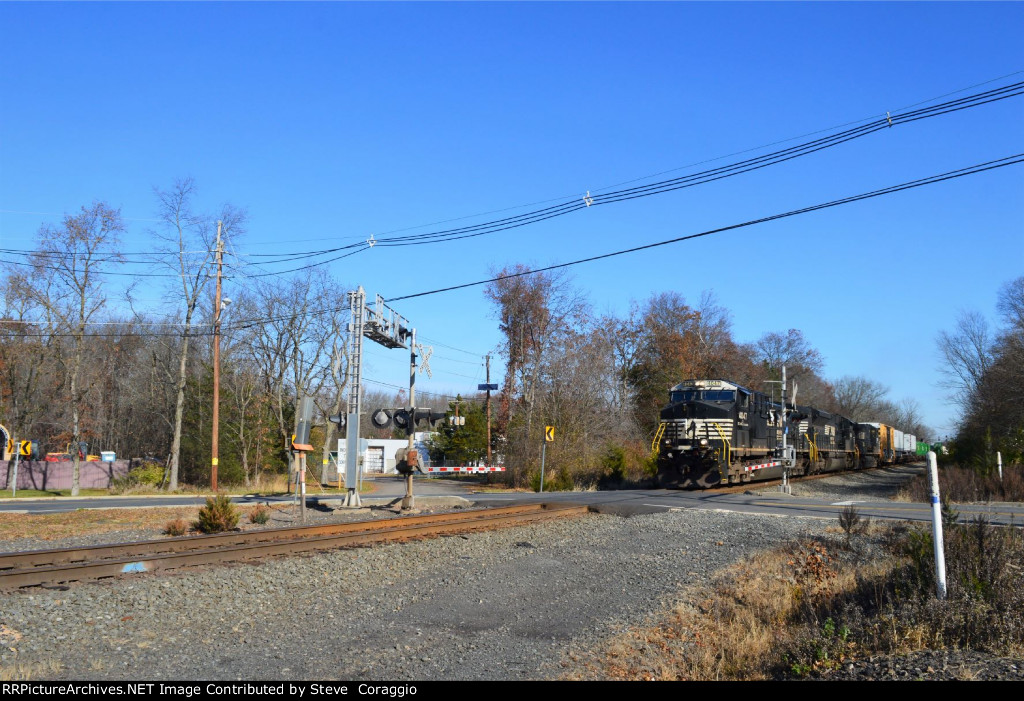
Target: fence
{"points": [[42, 475]]}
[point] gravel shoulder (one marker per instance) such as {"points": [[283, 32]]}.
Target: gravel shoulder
{"points": [[499, 605], [512, 604]]}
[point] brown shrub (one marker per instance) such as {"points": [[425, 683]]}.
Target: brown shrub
{"points": [[963, 484], [177, 527]]}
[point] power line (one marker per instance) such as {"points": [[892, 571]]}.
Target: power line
{"points": [[703, 177], [697, 163], [931, 180], [971, 170]]}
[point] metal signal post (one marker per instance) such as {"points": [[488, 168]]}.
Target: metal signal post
{"points": [[386, 327]]}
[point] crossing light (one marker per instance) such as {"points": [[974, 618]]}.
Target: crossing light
{"points": [[338, 419], [429, 416], [401, 419], [381, 418]]}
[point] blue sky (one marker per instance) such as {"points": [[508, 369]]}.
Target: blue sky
{"points": [[332, 121]]}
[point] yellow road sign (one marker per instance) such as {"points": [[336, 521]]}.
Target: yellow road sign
{"points": [[549, 434], [25, 448]]}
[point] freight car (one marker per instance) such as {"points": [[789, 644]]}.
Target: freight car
{"points": [[716, 432]]}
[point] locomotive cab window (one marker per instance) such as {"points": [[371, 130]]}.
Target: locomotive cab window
{"points": [[744, 400], [687, 395], [720, 396]]}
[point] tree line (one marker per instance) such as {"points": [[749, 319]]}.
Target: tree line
{"points": [[76, 366], [602, 379], [983, 367]]}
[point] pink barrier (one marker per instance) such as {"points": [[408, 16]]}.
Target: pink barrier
{"points": [[39, 474]]}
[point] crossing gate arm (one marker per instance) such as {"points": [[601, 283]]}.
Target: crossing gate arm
{"points": [[469, 468]]}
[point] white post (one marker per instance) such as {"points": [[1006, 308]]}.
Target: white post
{"points": [[940, 557], [543, 450], [999, 464], [14, 484]]}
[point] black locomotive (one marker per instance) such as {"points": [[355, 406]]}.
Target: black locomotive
{"points": [[715, 432]]}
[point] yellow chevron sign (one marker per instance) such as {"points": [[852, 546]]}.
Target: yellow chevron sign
{"points": [[549, 434]]}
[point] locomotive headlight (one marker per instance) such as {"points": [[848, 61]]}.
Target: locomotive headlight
{"points": [[703, 441]]}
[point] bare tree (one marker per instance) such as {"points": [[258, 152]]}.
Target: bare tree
{"points": [[188, 249], [1011, 304], [537, 314], [298, 348], [68, 266], [791, 349], [858, 398], [26, 357], [967, 353]]}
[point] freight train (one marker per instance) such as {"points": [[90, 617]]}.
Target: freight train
{"points": [[716, 432]]}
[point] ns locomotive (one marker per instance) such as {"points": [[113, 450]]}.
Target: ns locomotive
{"points": [[715, 432]]}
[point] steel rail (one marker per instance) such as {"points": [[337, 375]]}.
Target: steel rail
{"points": [[774, 482], [152, 556]]}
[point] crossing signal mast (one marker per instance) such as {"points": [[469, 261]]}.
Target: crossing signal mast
{"points": [[384, 326]]}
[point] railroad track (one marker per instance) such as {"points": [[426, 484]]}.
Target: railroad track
{"points": [[62, 565], [747, 486]]}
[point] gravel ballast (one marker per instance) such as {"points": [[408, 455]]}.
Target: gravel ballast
{"points": [[505, 604], [518, 603]]}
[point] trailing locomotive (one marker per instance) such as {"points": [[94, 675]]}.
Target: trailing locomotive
{"points": [[716, 432]]}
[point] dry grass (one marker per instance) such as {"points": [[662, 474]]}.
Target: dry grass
{"points": [[733, 628], [806, 608], [88, 521], [964, 485], [18, 672], [94, 521]]}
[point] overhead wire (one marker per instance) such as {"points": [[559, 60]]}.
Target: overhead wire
{"points": [[931, 180], [660, 187], [921, 182]]}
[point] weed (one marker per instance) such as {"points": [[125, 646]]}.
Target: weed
{"points": [[177, 527], [852, 522], [219, 514], [29, 671], [260, 514], [140, 478], [950, 515]]}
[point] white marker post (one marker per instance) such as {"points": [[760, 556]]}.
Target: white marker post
{"points": [[999, 464], [940, 556]]}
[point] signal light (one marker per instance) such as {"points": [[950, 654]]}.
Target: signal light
{"points": [[339, 419], [427, 415], [381, 418], [401, 419]]}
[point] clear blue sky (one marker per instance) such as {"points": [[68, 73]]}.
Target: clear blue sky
{"points": [[332, 121]]}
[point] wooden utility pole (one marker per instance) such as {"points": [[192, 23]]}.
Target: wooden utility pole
{"points": [[216, 362], [488, 359]]}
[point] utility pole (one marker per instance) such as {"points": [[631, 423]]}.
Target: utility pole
{"points": [[488, 359], [408, 501], [216, 362]]}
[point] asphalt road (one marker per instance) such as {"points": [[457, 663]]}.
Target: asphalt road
{"points": [[389, 487], [654, 500], [623, 502]]}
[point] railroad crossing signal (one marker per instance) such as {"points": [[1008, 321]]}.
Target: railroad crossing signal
{"points": [[549, 434]]}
